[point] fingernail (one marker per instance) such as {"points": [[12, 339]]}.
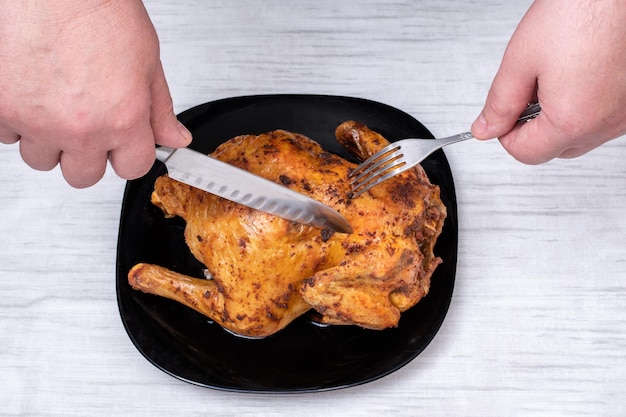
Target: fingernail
{"points": [[479, 127], [184, 132]]}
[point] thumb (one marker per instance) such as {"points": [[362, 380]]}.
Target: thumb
{"points": [[507, 99], [168, 131], [513, 87]]}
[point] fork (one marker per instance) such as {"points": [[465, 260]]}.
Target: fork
{"points": [[404, 154]]}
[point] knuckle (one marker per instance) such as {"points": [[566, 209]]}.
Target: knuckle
{"points": [[81, 179]]}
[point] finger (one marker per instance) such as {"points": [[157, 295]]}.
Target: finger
{"points": [[38, 154], [575, 152], [136, 157], [509, 95], [81, 169], [168, 131], [7, 136], [513, 87], [534, 142]]}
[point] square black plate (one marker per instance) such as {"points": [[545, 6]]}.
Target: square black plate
{"points": [[304, 357]]}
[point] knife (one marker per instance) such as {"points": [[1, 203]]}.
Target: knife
{"points": [[235, 184]]}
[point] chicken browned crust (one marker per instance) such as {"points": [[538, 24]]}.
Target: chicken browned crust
{"points": [[267, 271]]}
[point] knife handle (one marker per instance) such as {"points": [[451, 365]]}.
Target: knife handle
{"points": [[163, 153]]}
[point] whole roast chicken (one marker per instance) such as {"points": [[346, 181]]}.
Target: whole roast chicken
{"points": [[265, 271]]}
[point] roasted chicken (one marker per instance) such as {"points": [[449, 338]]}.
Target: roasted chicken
{"points": [[264, 271]]}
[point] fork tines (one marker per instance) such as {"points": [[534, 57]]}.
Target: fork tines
{"points": [[382, 165]]}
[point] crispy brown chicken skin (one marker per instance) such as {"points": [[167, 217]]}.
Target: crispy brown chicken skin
{"points": [[267, 271]]}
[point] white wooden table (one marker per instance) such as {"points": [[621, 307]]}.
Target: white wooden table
{"points": [[537, 322]]}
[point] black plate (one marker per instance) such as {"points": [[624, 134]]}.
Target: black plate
{"points": [[303, 357]]}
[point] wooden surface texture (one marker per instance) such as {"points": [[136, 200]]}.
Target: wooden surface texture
{"points": [[538, 318]]}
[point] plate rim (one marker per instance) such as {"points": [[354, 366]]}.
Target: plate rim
{"points": [[187, 115]]}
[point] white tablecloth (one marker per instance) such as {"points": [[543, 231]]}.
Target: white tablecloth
{"points": [[537, 321]]}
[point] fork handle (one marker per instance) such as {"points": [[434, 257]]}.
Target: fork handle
{"points": [[530, 113]]}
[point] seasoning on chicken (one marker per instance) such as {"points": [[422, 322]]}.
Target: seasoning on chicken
{"points": [[266, 271]]}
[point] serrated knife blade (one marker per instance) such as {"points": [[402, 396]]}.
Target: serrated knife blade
{"points": [[235, 184]]}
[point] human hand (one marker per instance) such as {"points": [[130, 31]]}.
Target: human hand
{"points": [[570, 56], [82, 83]]}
